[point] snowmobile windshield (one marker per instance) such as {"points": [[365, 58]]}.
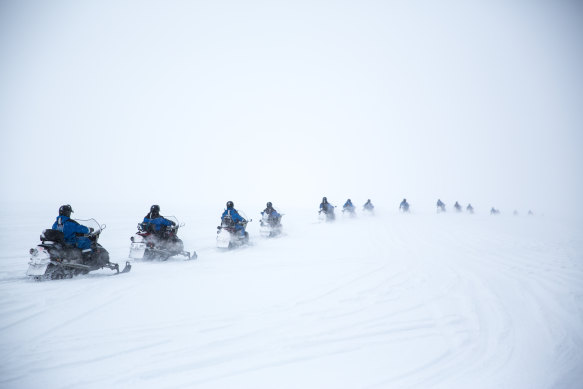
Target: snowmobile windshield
{"points": [[172, 219], [91, 223], [243, 215]]}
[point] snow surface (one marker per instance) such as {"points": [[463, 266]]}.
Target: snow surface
{"points": [[390, 301]]}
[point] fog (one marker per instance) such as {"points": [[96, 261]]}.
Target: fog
{"points": [[112, 106], [190, 102]]}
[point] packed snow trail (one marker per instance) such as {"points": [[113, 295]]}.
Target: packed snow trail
{"points": [[414, 301]]}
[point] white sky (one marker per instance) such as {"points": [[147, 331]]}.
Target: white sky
{"points": [[209, 101]]}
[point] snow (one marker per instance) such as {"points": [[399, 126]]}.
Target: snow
{"points": [[422, 300]]}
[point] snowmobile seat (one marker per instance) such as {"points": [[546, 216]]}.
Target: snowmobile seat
{"points": [[53, 236]]}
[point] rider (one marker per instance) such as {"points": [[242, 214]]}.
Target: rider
{"points": [[469, 208], [404, 206], [440, 205], [234, 215], [155, 221], [73, 231], [348, 206], [457, 207], [368, 206], [325, 206], [272, 215]]}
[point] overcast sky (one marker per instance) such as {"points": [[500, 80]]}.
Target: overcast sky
{"points": [[288, 101]]}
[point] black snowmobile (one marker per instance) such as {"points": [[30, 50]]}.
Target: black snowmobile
{"points": [[327, 213], [270, 226], [53, 258], [228, 237], [151, 244], [349, 210]]}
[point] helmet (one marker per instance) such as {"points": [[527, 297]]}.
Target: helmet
{"points": [[324, 200], [269, 205], [65, 210], [155, 209], [230, 204], [349, 201]]}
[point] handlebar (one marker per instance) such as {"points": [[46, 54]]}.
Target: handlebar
{"points": [[91, 234]]}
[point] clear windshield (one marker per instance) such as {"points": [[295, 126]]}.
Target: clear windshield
{"points": [[243, 215], [90, 223], [173, 219]]}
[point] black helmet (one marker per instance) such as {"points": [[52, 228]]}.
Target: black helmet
{"points": [[65, 210], [230, 204], [349, 200], [324, 200], [154, 211], [269, 205]]}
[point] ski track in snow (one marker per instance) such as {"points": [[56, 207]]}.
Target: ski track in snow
{"points": [[405, 301]]}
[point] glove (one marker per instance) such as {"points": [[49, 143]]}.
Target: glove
{"points": [[91, 230]]}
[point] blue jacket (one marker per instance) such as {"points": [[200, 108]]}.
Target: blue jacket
{"points": [[348, 204], [70, 228], [234, 215], [157, 222]]}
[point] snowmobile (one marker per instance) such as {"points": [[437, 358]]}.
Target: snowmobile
{"points": [[53, 258], [270, 227], [440, 208], [149, 244], [368, 208], [228, 236], [368, 211], [349, 211], [327, 215]]}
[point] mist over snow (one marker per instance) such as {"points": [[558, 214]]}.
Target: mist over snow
{"points": [[422, 300], [112, 106]]}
